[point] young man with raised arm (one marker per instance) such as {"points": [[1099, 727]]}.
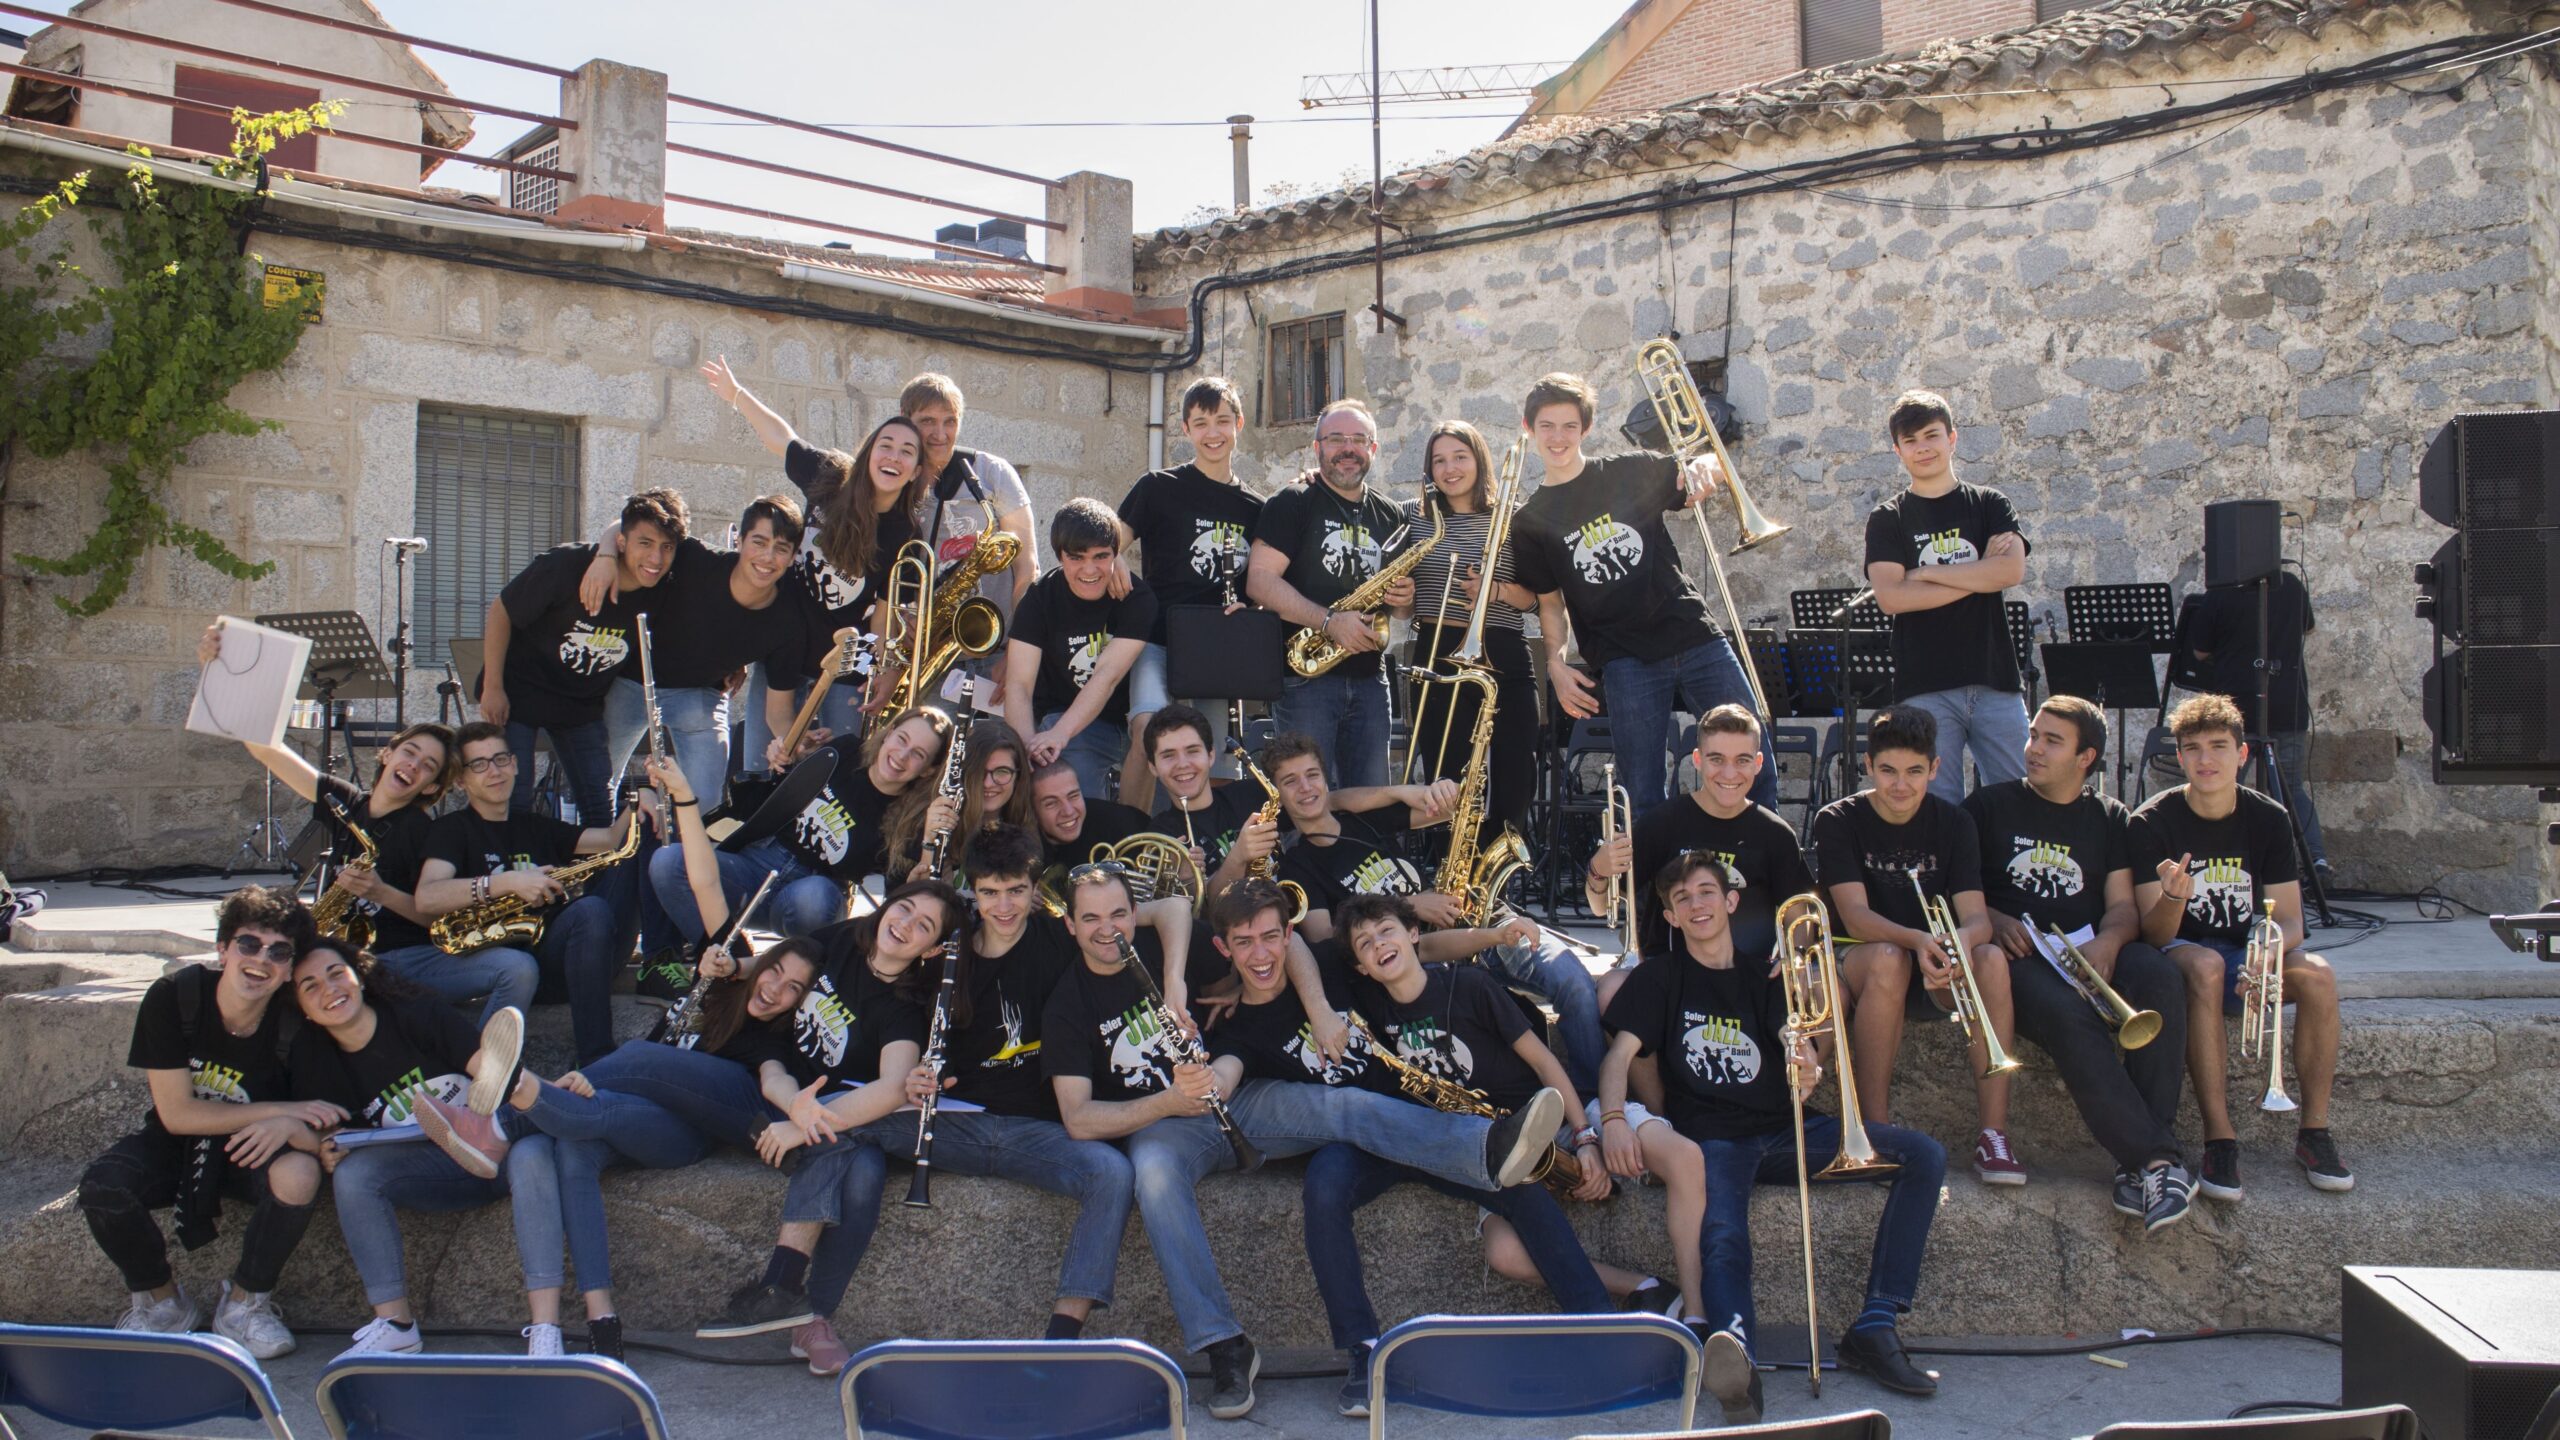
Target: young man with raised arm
{"points": [[2209, 855], [1939, 553], [1866, 850], [1071, 647], [1592, 544], [1721, 819], [2056, 856]]}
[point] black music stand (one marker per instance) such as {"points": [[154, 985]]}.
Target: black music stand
{"points": [[2113, 675], [344, 665], [1855, 657], [2144, 614]]}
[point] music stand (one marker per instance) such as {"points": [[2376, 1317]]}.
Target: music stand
{"points": [[1859, 663], [344, 665], [2144, 613], [2114, 675]]}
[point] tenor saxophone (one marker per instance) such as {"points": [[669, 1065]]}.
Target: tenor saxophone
{"points": [[1312, 652], [512, 920]]}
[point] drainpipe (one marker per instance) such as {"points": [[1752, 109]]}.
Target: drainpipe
{"points": [[1155, 419]]}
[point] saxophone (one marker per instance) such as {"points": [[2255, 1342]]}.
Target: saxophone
{"points": [[511, 920], [1312, 652], [1561, 1170], [1473, 873], [1269, 813], [334, 913], [955, 619]]}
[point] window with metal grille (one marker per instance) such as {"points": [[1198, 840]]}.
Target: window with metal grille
{"points": [[1306, 368], [536, 194], [1837, 31], [494, 491]]}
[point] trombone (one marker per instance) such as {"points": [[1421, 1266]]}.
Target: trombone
{"points": [[2134, 1028], [1690, 433], [1618, 817], [908, 595], [2262, 1006], [1810, 970], [1968, 996]]}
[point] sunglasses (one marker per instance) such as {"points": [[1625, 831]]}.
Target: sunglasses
{"points": [[248, 948]]}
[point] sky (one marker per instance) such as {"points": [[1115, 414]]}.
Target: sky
{"points": [[1027, 82]]}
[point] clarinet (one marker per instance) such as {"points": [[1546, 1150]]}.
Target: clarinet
{"points": [[938, 855], [1186, 1050], [684, 1019], [657, 732]]}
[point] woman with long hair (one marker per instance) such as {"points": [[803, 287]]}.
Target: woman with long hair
{"points": [[995, 790], [1458, 484]]}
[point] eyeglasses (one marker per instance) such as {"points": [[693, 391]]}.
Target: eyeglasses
{"points": [[1002, 772], [488, 763], [249, 949]]}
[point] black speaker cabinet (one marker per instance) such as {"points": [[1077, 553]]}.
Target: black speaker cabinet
{"points": [[2243, 540], [2493, 471], [2474, 1352]]}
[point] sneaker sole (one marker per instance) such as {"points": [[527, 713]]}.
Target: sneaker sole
{"points": [[727, 1331], [435, 1127], [1253, 1367], [1999, 1177], [1539, 1119], [1728, 1375], [501, 1048], [799, 1354], [2227, 1194], [2333, 1184], [2154, 1227]]}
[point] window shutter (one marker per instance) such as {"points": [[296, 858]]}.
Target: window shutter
{"points": [[195, 130], [494, 491], [1837, 31]]}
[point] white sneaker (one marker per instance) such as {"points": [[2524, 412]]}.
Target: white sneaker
{"points": [[252, 1322], [174, 1316], [384, 1336], [501, 1047], [542, 1342]]}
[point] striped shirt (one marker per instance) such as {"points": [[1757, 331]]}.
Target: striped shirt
{"points": [[1462, 543]]}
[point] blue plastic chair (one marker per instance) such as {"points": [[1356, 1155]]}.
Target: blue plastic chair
{"points": [[487, 1397], [1533, 1367], [1012, 1390], [120, 1380]]}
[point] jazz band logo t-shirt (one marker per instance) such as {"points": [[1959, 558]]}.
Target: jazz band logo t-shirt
{"points": [[234, 1069], [996, 1057], [1364, 859], [1719, 1033], [1601, 538], [1855, 845], [400, 839], [475, 847], [2046, 860], [700, 633], [417, 1045], [1274, 1041], [1959, 644], [839, 833], [1102, 1028], [561, 660], [1212, 827], [1071, 634], [1462, 1027], [2233, 859], [1334, 545], [835, 599], [1191, 532], [1756, 845]]}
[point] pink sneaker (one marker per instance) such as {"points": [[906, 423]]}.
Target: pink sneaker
{"points": [[816, 1343], [1993, 1162], [471, 1138]]}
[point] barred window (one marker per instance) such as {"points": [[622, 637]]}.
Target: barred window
{"points": [[494, 491], [1837, 31], [1306, 368]]}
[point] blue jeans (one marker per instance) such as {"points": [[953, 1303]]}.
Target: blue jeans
{"points": [[1040, 1154], [1734, 1166], [375, 1182], [1639, 696], [840, 714], [589, 1133], [577, 754], [1558, 976], [802, 899], [837, 1186], [718, 1098], [1341, 1179], [1282, 1118], [507, 976], [1346, 715], [697, 724], [1093, 752], [2293, 752], [1990, 725]]}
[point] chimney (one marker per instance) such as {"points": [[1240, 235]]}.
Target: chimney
{"points": [[959, 232], [1240, 130], [1097, 249], [1005, 237], [619, 150]]}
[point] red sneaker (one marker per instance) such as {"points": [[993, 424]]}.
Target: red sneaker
{"points": [[816, 1343], [472, 1139], [1993, 1162]]}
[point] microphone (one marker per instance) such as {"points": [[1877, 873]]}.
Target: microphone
{"points": [[1852, 604], [405, 542]]}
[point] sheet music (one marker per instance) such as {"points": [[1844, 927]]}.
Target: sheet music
{"points": [[2052, 954], [246, 694]]}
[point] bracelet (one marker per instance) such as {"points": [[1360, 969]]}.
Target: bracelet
{"points": [[1586, 1136], [1608, 1115], [681, 804]]}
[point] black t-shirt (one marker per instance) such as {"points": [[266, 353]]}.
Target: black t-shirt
{"points": [[2233, 859], [1101, 1027], [1854, 845], [1275, 1042], [1756, 845], [1191, 531], [1106, 822], [235, 1069], [839, 832], [1461, 1027], [1965, 643], [1601, 538], [402, 839], [523, 841], [1720, 1036], [417, 1045], [1214, 825], [995, 1058], [1367, 858], [561, 660], [1333, 545], [834, 599], [1071, 633], [2046, 860], [2223, 622], [850, 1014], [699, 632]]}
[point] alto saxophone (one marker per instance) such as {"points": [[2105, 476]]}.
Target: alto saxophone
{"points": [[1561, 1170], [335, 913], [952, 619], [1312, 652], [513, 920], [1263, 868]]}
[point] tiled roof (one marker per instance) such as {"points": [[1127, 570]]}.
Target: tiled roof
{"points": [[961, 277], [2124, 33]]}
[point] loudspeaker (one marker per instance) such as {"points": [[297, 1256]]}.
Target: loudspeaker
{"points": [[2243, 541], [2493, 471], [2473, 1352], [2493, 593]]}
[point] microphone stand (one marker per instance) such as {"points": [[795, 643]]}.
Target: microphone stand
{"points": [[399, 646]]}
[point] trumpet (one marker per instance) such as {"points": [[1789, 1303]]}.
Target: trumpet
{"points": [[1689, 432], [1621, 907], [1968, 996], [2262, 1006], [2134, 1028]]}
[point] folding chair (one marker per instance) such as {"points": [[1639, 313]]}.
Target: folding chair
{"points": [[1799, 739], [1573, 813], [2383, 1422], [487, 1397], [1856, 1425], [1530, 1367], [1012, 1390], [126, 1380]]}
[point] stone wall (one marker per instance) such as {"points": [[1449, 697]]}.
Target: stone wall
{"points": [[2284, 304], [94, 768]]}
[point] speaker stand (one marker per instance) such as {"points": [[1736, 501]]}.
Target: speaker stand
{"points": [[2271, 775]]}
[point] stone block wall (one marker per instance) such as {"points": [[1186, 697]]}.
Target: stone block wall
{"points": [[2282, 304], [94, 767]]}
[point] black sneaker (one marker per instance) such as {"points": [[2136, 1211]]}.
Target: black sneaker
{"points": [[1233, 1364], [2219, 1176], [1352, 1401], [1519, 1140], [2167, 1192], [758, 1308], [1876, 1352], [2317, 1154], [665, 975], [1657, 1297], [1730, 1376], [604, 1337], [2128, 1196]]}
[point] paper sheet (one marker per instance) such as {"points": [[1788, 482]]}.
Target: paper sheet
{"points": [[246, 694]]}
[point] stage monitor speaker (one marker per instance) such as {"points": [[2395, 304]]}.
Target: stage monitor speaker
{"points": [[2493, 593], [2493, 471], [2473, 1352], [2243, 541]]}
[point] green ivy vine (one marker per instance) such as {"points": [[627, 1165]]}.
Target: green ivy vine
{"points": [[184, 322]]}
